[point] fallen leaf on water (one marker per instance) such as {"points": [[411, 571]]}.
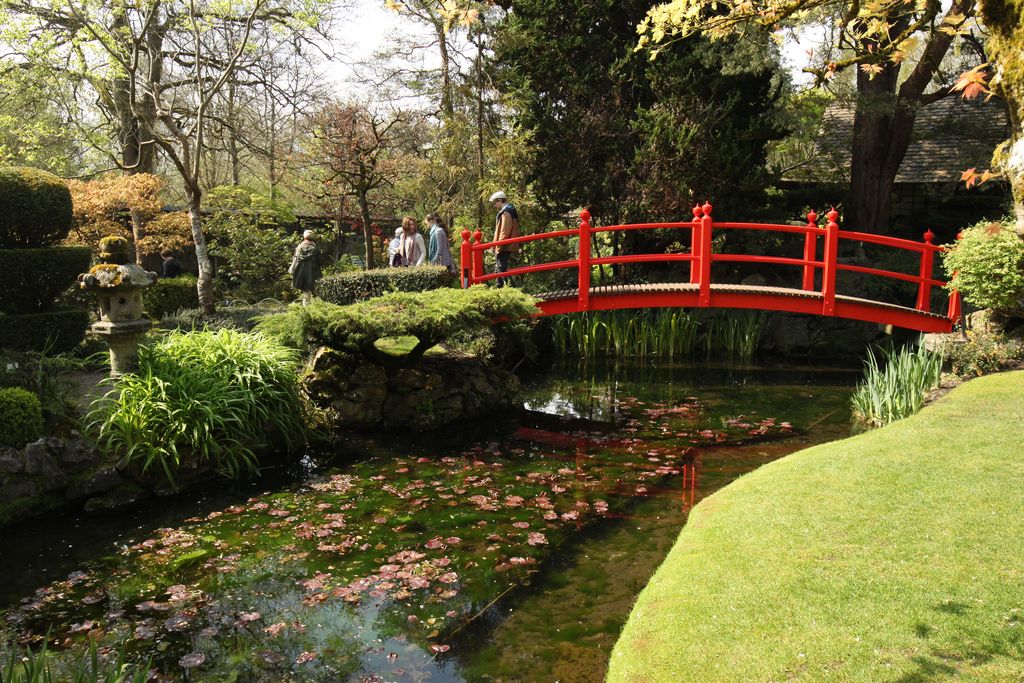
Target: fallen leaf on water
{"points": [[193, 660]]}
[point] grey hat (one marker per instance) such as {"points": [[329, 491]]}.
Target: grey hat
{"points": [[497, 195]]}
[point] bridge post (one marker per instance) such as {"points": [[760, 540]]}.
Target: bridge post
{"points": [[953, 311], [706, 226], [924, 287], [584, 262], [828, 278], [695, 246], [478, 255], [465, 259], [810, 250]]}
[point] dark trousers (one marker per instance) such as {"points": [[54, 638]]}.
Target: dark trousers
{"points": [[502, 261]]}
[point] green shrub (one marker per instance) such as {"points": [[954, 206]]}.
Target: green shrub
{"points": [[169, 295], [895, 387], [34, 278], [35, 208], [21, 417], [348, 288], [981, 354], [431, 317], [45, 376], [55, 331], [988, 262], [241, 318], [202, 398]]}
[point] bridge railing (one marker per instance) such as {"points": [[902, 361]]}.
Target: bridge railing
{"points": [[701, 256]]}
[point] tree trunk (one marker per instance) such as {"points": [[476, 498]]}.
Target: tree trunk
{"points": [[137, 233], [204, 286], [882, 126], [364, 212]]}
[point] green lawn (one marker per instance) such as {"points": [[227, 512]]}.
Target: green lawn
{"points": [[896, 555]]}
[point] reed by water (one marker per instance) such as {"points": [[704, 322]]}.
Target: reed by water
{"points": [[665, 333]]}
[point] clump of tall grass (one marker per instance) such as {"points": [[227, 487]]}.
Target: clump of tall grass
{"points": [[22, 665], [202, 398], [895, 385], [665, 333]]}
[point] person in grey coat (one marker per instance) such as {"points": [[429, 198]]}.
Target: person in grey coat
{"points": [[305, 269]]}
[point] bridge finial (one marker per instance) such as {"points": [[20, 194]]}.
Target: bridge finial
{"points": [[585, 216], [696, 211], [812, 218], [929, 236], [466, 235], [706, 208], [832, 215]]}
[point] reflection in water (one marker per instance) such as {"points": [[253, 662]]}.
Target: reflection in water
{"points": [[514, 557]]}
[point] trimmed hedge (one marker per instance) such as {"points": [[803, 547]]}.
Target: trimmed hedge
{"points": [[21, 417], [432, 317], [348, 288], [35, 208], [167, 296], [34, 278], [53, 331]]}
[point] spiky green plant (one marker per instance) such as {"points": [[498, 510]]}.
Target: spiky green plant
{"points": [[895, 384], [202, 397], [668, 333], [23, 665]]}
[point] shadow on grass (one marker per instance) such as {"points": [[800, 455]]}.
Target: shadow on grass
{"points": [[973, 647]]}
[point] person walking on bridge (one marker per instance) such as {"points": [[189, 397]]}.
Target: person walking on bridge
{"points": [[506, 226]]}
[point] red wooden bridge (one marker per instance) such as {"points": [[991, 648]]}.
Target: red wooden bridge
{"points": [[701, 291]]}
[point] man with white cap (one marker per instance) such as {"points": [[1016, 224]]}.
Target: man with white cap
{"points": [[506, 226]]}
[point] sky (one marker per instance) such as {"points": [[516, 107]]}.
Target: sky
{"points": [[369, 26]]}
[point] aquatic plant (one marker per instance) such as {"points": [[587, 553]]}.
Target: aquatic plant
{"points": [[23, 665], [895, 384], [199, 398], [667, 333]]}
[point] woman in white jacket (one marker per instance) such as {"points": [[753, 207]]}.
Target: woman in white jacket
{"points": [[414, 249]]}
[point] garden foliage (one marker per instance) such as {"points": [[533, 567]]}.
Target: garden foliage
{"points": [[203, 399], [21, 417], [36, 208], [350, 287], [986, 266], [169, 295], [431, 317], [251, 248], [895, 385], [982, 353], [34, 278], [241, 318]]}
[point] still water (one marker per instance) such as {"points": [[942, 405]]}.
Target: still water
{"points": [[510, 550]]}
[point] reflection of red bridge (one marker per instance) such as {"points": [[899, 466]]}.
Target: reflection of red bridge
{"points": [[701, 292]]}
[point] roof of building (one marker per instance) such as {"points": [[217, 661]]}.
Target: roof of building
{"points": [[950, 136]]}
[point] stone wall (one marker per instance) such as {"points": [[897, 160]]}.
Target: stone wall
{"points": [[50, 473], [357, 393]]}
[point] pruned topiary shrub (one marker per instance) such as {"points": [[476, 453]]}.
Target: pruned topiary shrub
{"points": [[35, 212], [21, 417], [431, 317], [167, 296], [36, 208], [986, 266], [50, 331], [34, 278], [348, 288]]}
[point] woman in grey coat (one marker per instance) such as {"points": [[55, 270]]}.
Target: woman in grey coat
{"points": [[305, 268]]}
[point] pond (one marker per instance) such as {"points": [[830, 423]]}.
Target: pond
{"points": [[508, 550]]}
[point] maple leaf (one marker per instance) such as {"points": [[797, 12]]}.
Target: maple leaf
{"points": [[970, 177], [973, 83]]}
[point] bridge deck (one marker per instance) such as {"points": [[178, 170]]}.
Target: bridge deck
{"points": [[742, 296]]}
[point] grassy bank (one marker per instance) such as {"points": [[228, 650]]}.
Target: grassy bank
{"points": [[892, 556]]}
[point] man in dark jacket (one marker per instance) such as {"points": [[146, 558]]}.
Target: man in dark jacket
{"points": [[305, 268], [171, 266]]}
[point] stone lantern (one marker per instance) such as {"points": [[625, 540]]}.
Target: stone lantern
{"points": [[118, 285]]}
